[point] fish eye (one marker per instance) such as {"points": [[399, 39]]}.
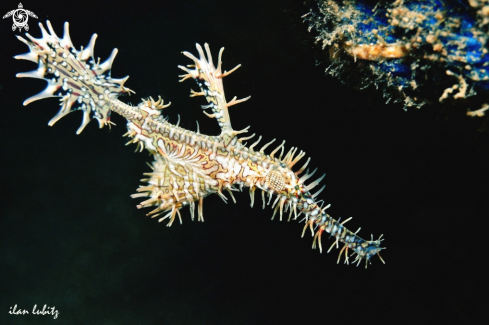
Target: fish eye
{"points": [[275, 180]]}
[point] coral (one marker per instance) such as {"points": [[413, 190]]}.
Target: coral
{"points": [[418, 52]]}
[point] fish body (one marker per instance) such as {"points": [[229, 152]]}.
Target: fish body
{"points": [[188, 165]]}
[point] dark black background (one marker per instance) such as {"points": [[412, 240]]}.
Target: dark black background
{"points": [[71, 237]]}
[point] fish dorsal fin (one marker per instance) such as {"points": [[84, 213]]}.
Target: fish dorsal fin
{"points": [[209, 80]]}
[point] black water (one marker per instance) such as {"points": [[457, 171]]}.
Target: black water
{"points": [[72, 238]]}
